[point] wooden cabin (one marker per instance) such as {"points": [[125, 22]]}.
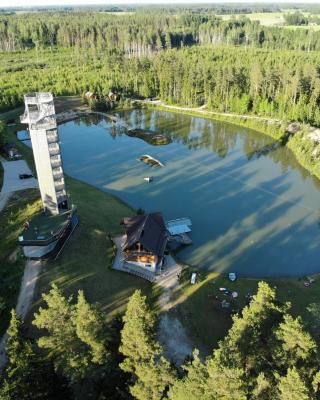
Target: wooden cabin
{"points": [[146, 240]]}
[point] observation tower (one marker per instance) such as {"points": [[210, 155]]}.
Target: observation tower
{"points": [[40, 116], [46, 233]]}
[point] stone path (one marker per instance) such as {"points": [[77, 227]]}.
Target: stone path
{"points": [[203, 110]]}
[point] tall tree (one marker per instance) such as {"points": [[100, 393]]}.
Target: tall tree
{"points": [[74, 337], [292, 387], [18, 383], [28, 376], [245, 345], [151, 373], [294, 346], [208, 381]]}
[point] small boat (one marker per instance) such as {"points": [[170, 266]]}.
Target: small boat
{"points": [[148, 178], [150, 160]]}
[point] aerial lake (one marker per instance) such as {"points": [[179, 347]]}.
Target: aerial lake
{"points": [[254, 210]]}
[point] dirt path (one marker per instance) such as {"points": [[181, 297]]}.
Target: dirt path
{"points": [[12, 183], [30, 276], [203, 110], [28, 283], [172, 335]]}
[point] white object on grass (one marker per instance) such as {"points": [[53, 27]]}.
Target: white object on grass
{"points": [[232, 276]]}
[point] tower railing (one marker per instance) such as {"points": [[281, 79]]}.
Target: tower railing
{"points": [[35, 98]]}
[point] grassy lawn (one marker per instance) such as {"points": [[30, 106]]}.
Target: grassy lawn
{"points": [[205, 320], [20, 207]]}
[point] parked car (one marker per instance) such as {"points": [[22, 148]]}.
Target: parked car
{"points": [[25, 176]]}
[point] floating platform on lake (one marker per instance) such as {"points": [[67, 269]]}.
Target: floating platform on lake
{"points": [[150, 137], [151, 161]]}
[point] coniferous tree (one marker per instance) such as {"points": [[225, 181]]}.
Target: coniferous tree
{"points": [[194, 384], [151, 373], [74, 340], [294, 346], [245, 344], [27, 375], [18, 382], [89, 325], [209, 381], [292, 387]]}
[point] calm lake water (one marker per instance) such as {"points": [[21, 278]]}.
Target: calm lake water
{"points": [[254, 211]]}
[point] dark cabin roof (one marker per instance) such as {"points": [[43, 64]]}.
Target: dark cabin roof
{"points": [[149, 230]]}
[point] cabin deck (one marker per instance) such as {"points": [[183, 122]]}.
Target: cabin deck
{"points": [[179, 229]]}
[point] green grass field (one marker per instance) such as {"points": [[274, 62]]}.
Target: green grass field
{"points": [[271, 19], [267, 19], [205, 320]]}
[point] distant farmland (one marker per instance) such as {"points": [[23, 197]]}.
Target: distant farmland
{"points": [[271, 19]]}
